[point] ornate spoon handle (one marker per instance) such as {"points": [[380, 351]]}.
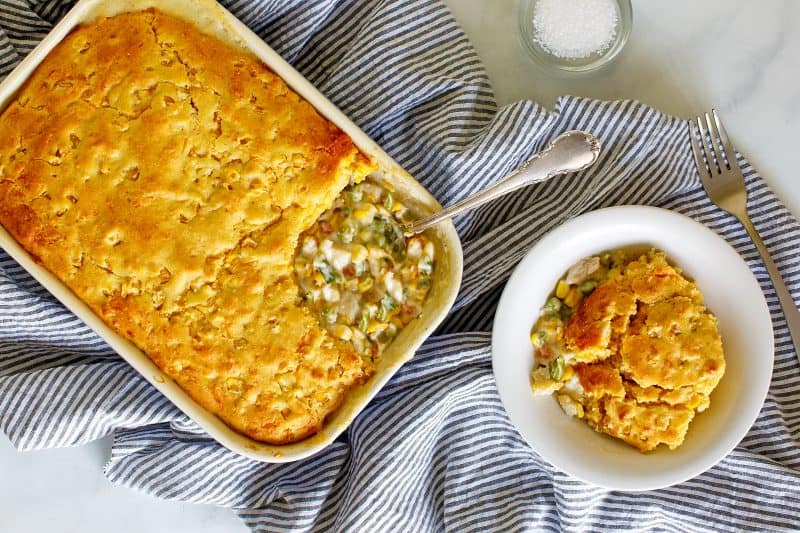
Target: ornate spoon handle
{"points": [[572, 151]]}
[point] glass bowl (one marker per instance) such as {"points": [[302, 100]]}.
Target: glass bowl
{"points": [[525, 33]]}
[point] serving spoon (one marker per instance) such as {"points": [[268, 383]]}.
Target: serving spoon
{"points": [[571, 151]]}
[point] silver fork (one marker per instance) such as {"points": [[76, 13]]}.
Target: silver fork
{"points": [[723, 181]]}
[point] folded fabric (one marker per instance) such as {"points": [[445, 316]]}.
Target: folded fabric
{"points": [[435, 450]]}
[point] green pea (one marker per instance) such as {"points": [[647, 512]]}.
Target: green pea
{"points": [[326, 270], [388, 302], [329, 315], [587, 286], [557, 368], [346, 233], [355, 194], [552, 306], [377, 225], [363, 323], [540, 338]]}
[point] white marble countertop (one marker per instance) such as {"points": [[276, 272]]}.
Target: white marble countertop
{"points": [[683, 57]]}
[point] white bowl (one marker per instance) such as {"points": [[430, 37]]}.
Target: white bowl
{"points": [[731, 293]]}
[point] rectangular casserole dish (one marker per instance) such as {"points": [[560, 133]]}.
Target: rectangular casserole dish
{"points": [[212, 19]]}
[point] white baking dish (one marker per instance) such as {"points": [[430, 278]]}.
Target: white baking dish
{"points": [[211, 18]]}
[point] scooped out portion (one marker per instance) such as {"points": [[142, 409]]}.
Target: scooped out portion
{"points": [[167, 178], [627, 345]]}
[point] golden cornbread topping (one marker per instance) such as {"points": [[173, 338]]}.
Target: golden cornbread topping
{"points": [[166, 178], [362, 277], [627, 345]]}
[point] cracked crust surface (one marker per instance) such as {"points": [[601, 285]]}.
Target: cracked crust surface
{"points": [[648, 353], [165, 177]]}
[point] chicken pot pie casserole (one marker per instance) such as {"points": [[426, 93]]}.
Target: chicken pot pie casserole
{"points": [[170, 180], [626, 344]]}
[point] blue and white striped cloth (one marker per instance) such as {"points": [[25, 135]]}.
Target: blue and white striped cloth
{"points": [[435, 450]]}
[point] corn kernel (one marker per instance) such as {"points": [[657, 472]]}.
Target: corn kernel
{"points": [[359, 253], [562, 289], [375, 327], [568, 373], [318, 279], [397, 207], [573, 298], [365, 285], [364, 212], [234, 385], [343, 332]]}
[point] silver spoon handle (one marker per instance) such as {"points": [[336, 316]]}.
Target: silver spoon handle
{"points": [[571, 151]]}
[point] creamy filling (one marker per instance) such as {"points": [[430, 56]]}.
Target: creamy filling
{"points": [[552, 358], [364, 280]]}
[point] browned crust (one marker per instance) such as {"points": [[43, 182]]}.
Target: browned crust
{"points": [[647, 352], [165, 177]]}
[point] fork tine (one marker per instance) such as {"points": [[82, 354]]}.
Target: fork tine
{"points": [[730, 151], [704, 142], [699, 158], [701, 133], [713, 137]]}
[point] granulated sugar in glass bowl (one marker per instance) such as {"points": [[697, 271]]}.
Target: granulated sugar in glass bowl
{"points": [[574, 35]]}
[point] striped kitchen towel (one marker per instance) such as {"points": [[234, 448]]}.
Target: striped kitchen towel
{"points": [[435, 450]]}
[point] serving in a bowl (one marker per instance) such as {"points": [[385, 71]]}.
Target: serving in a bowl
{"points": [[730, 292]]}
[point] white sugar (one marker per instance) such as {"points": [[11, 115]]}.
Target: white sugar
{"points": [[575, 29]]}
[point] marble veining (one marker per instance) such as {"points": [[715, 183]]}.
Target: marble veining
{"points": [[683, 57]]}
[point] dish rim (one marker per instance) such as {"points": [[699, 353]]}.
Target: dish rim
{"points": [[210, 17], [610, 216]]}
